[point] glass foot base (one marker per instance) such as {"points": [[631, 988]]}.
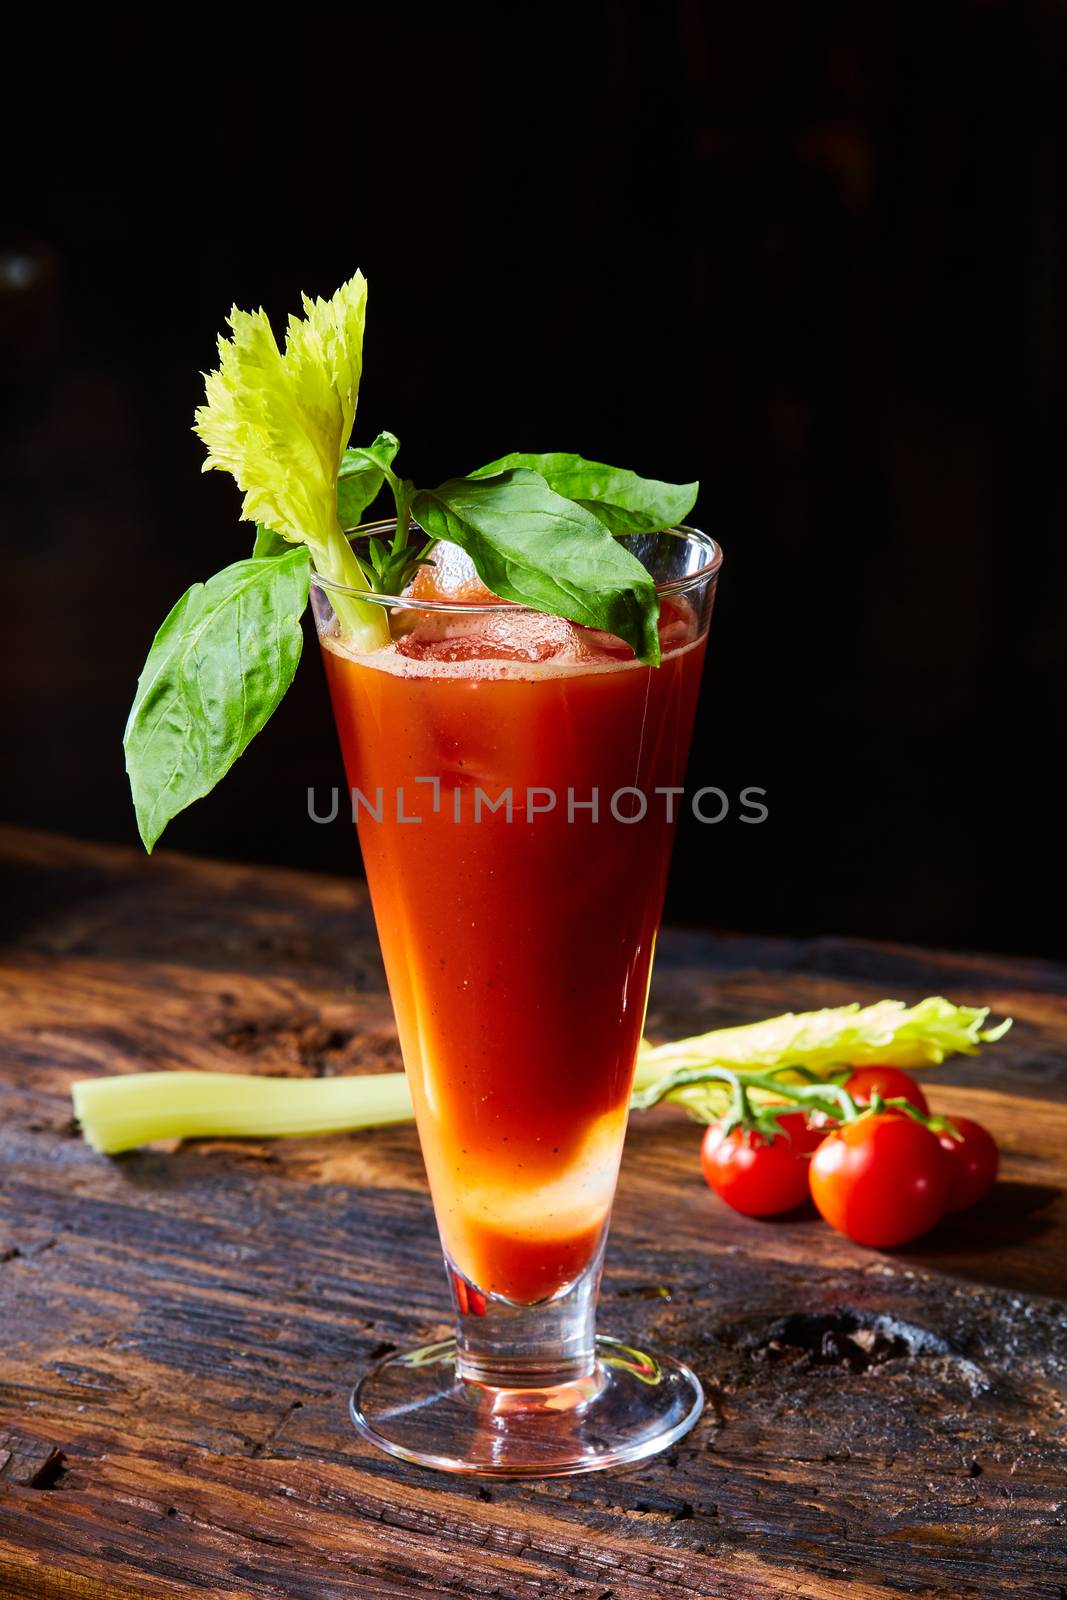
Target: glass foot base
{"points": [[632, 1405]]}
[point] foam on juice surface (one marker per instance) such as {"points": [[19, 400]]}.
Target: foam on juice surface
{"points": [[443, 636], [519, 667]]}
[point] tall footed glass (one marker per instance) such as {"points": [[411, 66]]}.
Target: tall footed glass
{"points": [[516, 781]]}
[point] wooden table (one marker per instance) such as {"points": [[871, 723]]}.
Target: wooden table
{"points": [[180, 1330]]}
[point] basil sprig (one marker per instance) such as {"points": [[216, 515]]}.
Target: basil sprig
{"points": [[218, 666], [621, 500], [540, 529], [530, 544], [362, 474]]}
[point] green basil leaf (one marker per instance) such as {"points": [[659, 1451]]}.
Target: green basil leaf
{"points": [[217, 668], [531, 545], [621, 500], [361, 475], [269, 544]]}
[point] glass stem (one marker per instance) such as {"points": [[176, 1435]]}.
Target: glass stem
{"points": [[538, 1347]]}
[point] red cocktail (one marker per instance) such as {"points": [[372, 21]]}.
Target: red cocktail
{"points": [[517, 780]]}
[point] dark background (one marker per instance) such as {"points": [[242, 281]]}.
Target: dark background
{"points": [[813, 256]]}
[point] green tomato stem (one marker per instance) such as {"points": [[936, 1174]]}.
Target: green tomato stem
{"points": [[831, 1099]]}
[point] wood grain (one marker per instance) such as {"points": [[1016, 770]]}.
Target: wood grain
{"points": [[180, 1330]]}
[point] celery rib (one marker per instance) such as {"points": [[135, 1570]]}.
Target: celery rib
{"points": [[123, 1112], [138, 1108]]}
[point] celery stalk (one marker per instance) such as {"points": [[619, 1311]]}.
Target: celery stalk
{"points": [[363, 624], [123, 1112], [137, 1108], [820, 1043]]}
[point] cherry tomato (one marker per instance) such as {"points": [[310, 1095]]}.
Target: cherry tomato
{"points": [[803, 1132], [882, 1180], [972, 1163], [890, 1082], [760, 1177]]}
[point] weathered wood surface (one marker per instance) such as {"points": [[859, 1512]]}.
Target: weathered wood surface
{"points": [[179, 1331]]}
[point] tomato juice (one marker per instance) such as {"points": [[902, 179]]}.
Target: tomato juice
{"points": [[517, 941]]}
